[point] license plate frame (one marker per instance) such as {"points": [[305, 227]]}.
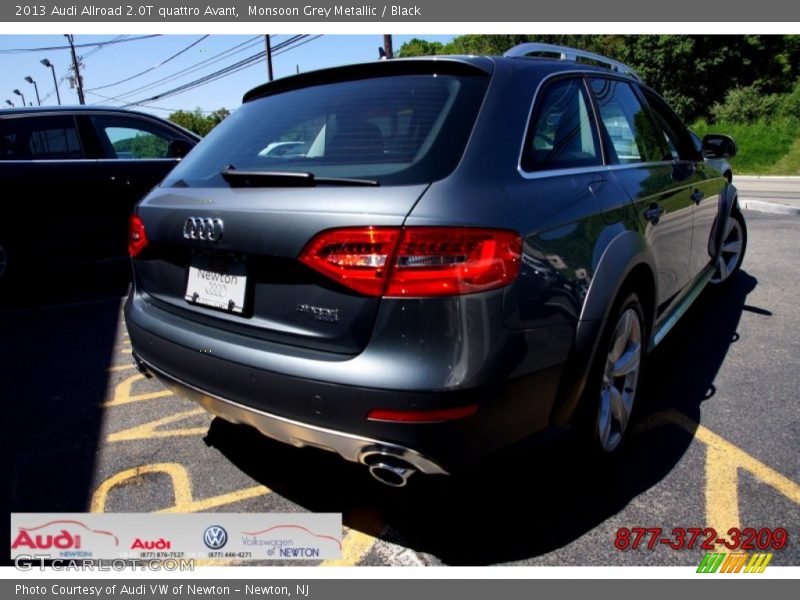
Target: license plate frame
{"points": [[217, 282]]}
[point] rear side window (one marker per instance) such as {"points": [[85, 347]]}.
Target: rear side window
{"points": [[39, 138], [680, 141], [562, 133], [631, 132], [397, 130], [127, 138]]}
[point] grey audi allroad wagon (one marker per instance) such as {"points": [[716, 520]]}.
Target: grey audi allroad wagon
{"points": [[446, 256]]}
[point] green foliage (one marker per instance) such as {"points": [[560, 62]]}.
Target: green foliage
{"points": [[747, 104], [692, 72], [198, 122], [142, 146], [763, 145], [418, 47], [790, 105]]}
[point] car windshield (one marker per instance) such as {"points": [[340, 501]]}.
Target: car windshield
{"points": [[397, 130]]}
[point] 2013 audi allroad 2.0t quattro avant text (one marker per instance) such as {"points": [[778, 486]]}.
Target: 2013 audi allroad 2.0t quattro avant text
{"points": [[447, 256]]}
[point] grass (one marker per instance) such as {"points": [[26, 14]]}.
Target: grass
{"points": [[765, 147]]}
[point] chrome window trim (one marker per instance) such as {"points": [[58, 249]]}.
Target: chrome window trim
{"points": [[605, 167]]}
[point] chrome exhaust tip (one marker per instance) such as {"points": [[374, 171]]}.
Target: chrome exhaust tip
{"points": [[387, 467], [391, 475]]}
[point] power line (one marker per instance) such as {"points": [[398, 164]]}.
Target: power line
{"points": [[225, 71], [171, 110], [192, 68], [153, 68], [86, 45]]}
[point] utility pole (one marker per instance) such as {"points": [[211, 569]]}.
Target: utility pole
{"points": [[387, 46], [269, 57], [76, 69]]}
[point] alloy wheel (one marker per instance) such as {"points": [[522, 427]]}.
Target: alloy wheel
{"points": [[731, 252], [620, 380]]}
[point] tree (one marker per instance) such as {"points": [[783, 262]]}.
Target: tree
{"points": [[693, 72], [198, 122]]}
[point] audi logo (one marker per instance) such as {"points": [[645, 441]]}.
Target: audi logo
{"points": [[203, 229]]}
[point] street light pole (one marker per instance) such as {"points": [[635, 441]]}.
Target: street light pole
{"points": [[29, 79], [21, 95], [47, 63]]}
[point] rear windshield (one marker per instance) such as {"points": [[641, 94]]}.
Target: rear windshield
{"points": [[396, 130]]}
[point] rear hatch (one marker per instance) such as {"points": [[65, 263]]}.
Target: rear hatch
{"points": [[353, 147]]}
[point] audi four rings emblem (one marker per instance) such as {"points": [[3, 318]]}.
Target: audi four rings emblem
{"points": [[203, 228]]}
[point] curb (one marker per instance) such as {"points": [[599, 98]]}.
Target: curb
{"points": [[769, 207]]}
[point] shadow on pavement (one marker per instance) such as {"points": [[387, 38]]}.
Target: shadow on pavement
{"points": [[525, 503], [58, 336]]}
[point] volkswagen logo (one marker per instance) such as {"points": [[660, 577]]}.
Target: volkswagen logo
{"points": [[203, 228], [215, 537]]}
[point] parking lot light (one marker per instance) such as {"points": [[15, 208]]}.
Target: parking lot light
{"points": [[30, 80]]}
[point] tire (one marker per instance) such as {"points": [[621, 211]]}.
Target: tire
{"points": [[615, 377], [731, 255]]}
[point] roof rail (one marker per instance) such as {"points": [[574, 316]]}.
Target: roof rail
{"points": [[573, 54]]}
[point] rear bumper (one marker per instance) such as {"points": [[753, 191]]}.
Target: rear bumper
{"points": [[307, 398], [350, 447]]}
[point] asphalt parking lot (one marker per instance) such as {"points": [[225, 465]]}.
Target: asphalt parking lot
{"points": [[716, 440]]}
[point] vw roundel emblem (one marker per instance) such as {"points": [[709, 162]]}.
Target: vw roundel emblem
{"points": [[204, 229], [215, 537]]}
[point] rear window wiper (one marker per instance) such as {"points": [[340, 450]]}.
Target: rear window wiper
{"points": [[237, 178]]}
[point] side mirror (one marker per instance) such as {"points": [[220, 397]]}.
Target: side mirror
{"points": [[179, 148], [717, 145]]}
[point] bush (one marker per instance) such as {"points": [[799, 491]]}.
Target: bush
{"points": [[790, 106], [746, 105]]}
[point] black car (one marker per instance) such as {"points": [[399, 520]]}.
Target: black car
{"points": [[458, 253], [70, 178]]}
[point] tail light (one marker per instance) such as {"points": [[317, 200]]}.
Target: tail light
{"points": [[137, 238], [416, 261]]}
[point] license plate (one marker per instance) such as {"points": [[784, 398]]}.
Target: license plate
{"points": [[217, 282]]}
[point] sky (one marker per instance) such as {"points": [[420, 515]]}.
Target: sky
{"points": [[109, 64]]}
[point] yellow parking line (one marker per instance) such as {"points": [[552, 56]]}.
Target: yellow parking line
{"points": [[117, 368], [723, 461], [122, 393], [181, 488], [722, 493], [151, 430], [355, 546], [215, 501]]}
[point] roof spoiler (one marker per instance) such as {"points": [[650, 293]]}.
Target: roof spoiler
{"points": [[573, 54]]}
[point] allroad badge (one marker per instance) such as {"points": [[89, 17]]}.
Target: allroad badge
{"points": [[204, 229]]}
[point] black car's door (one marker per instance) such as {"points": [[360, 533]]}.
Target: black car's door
{"points": [[659, 187], [134, 154], [47, 188]]}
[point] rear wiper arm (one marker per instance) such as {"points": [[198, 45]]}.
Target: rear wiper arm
{"points": [[238, 178]]}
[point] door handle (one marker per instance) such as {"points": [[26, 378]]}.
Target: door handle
{"points": [[697, 196], [653, 214]]}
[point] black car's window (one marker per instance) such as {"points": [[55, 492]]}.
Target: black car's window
{"points": [[398, 130], [46, 137], [679, 138], [128, 138], [632, 134], [562, 133]]}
